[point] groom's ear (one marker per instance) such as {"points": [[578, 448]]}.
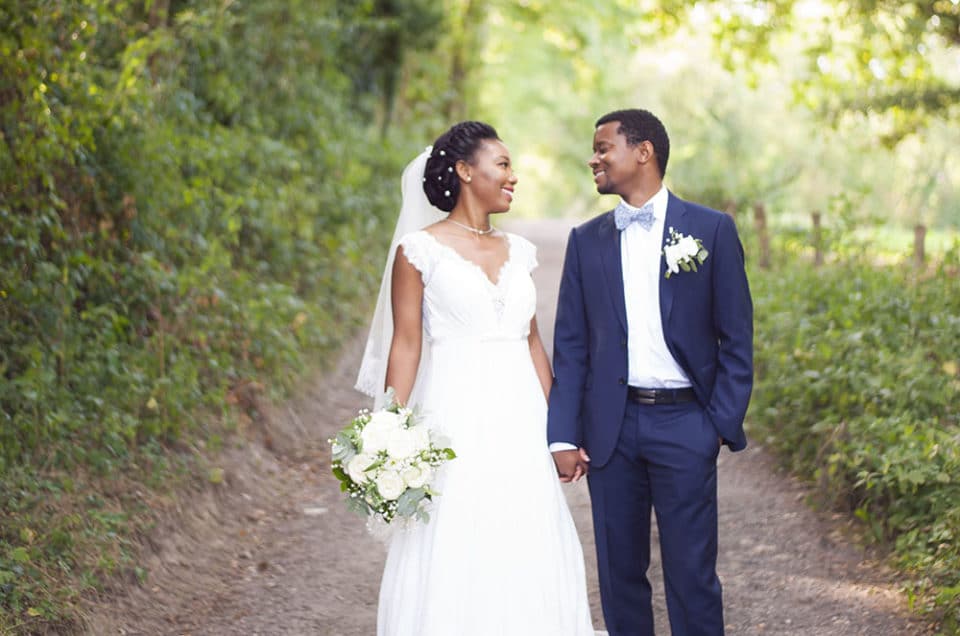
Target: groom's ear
{"points": [[643, 152]]}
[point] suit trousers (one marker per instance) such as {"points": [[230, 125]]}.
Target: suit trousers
{"points": [[665, 459]]}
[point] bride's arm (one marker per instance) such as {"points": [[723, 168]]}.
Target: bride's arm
{"points": [[407, 303], [540, 361]]}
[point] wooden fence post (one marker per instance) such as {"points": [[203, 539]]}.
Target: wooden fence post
{"points": [[760, 222], [817, 240], [730, 207], [919, 252]]}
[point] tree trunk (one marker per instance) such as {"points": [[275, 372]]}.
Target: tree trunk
{"points": [[919, 249], [760, 222], [465, 45], [817, 240]]}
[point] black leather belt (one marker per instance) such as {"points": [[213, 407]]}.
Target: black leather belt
{"points": [[660, 396]]}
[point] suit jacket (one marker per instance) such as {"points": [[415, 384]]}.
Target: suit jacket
{"points": [[707, 319]]}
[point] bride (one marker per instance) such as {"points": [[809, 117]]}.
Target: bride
{"points": [[455, 335]]}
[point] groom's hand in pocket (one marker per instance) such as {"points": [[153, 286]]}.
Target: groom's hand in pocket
{"points": [[571, 464]]}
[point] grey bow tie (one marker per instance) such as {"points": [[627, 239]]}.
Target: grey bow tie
{"points": [[624, 216]]}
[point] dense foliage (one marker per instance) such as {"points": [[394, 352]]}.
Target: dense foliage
{"points": [[897, 58], [190, 193], [193, 196], [858, 380], [775, 102]]}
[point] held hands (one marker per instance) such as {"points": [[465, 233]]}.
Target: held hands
{"points": [[571, 464]]}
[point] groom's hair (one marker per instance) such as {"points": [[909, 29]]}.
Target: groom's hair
{"points": [[639, 125], [441, 183]]}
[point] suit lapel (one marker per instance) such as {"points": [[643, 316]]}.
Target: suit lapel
{"points": [[613, 266], [675, 212]]}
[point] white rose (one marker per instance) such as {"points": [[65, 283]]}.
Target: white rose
{"points": [[358, 465], [387, 419], [390, 485], [401, 443], [688, 245], [421, 437], [672, 254], [374, 439], [375, 434], [416, 476]]}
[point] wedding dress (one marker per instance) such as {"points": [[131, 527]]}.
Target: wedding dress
{"points": [[500, 554]]}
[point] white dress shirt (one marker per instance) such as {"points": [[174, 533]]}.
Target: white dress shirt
{"points": [[650, 364]]}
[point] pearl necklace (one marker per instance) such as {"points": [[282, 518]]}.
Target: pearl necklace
{"points": [[472, 229]]}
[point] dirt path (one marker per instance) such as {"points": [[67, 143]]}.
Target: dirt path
{"points": [[276, 552]]}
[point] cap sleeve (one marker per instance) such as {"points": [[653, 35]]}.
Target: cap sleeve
{"points": [[528, 252], [416, 247]]}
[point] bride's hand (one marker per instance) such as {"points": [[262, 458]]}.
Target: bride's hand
{"points": [[571, 464]]}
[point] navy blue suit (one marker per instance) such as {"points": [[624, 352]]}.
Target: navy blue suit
{"points": [[662, 456]]}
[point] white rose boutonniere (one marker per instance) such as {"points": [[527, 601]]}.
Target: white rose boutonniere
{"points": [[683, 252]]}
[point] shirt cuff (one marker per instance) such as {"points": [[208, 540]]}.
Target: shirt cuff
{"points": [[562, 446]]}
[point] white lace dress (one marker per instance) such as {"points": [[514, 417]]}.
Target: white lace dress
{"points": [[500, 555]]}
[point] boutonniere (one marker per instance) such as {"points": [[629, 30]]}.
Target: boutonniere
{"points": [[683, 252]]}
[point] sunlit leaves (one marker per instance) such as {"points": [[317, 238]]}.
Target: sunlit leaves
{"points": [[190, 204], [866, 56]]}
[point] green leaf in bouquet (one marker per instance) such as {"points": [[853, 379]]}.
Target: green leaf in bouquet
{"points": [[409, 501], [344, 447], [375, 465], [359, 506], [340, 474], [355, 428], [390, 398], [373, 497]]}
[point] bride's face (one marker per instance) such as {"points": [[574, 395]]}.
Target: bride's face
{"points": [[491, 179]]}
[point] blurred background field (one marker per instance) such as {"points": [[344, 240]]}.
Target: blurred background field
{"points": [[196, 196]]}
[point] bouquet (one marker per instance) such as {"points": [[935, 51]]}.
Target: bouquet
{"points": [[385, 461]]}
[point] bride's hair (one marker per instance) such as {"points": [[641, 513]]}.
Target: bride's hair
{"points": [[440, 181]]}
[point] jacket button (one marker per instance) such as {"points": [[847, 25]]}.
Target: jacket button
{"points": [[622, 381]]}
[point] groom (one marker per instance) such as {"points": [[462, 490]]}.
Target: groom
{"points": [[653, 372]]}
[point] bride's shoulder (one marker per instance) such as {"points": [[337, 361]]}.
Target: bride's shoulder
{"points": [[433, 227], [426, 234], [524, 247], [518, 240], [416, 237], [418, 248]]}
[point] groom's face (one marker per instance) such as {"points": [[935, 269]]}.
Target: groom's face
{"points": [[614, 162]]}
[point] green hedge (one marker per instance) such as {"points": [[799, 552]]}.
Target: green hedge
{"points": [[194, 196], [858, 388]]}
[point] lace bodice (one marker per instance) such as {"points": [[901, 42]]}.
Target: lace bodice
{"points": [[461, 302]]}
